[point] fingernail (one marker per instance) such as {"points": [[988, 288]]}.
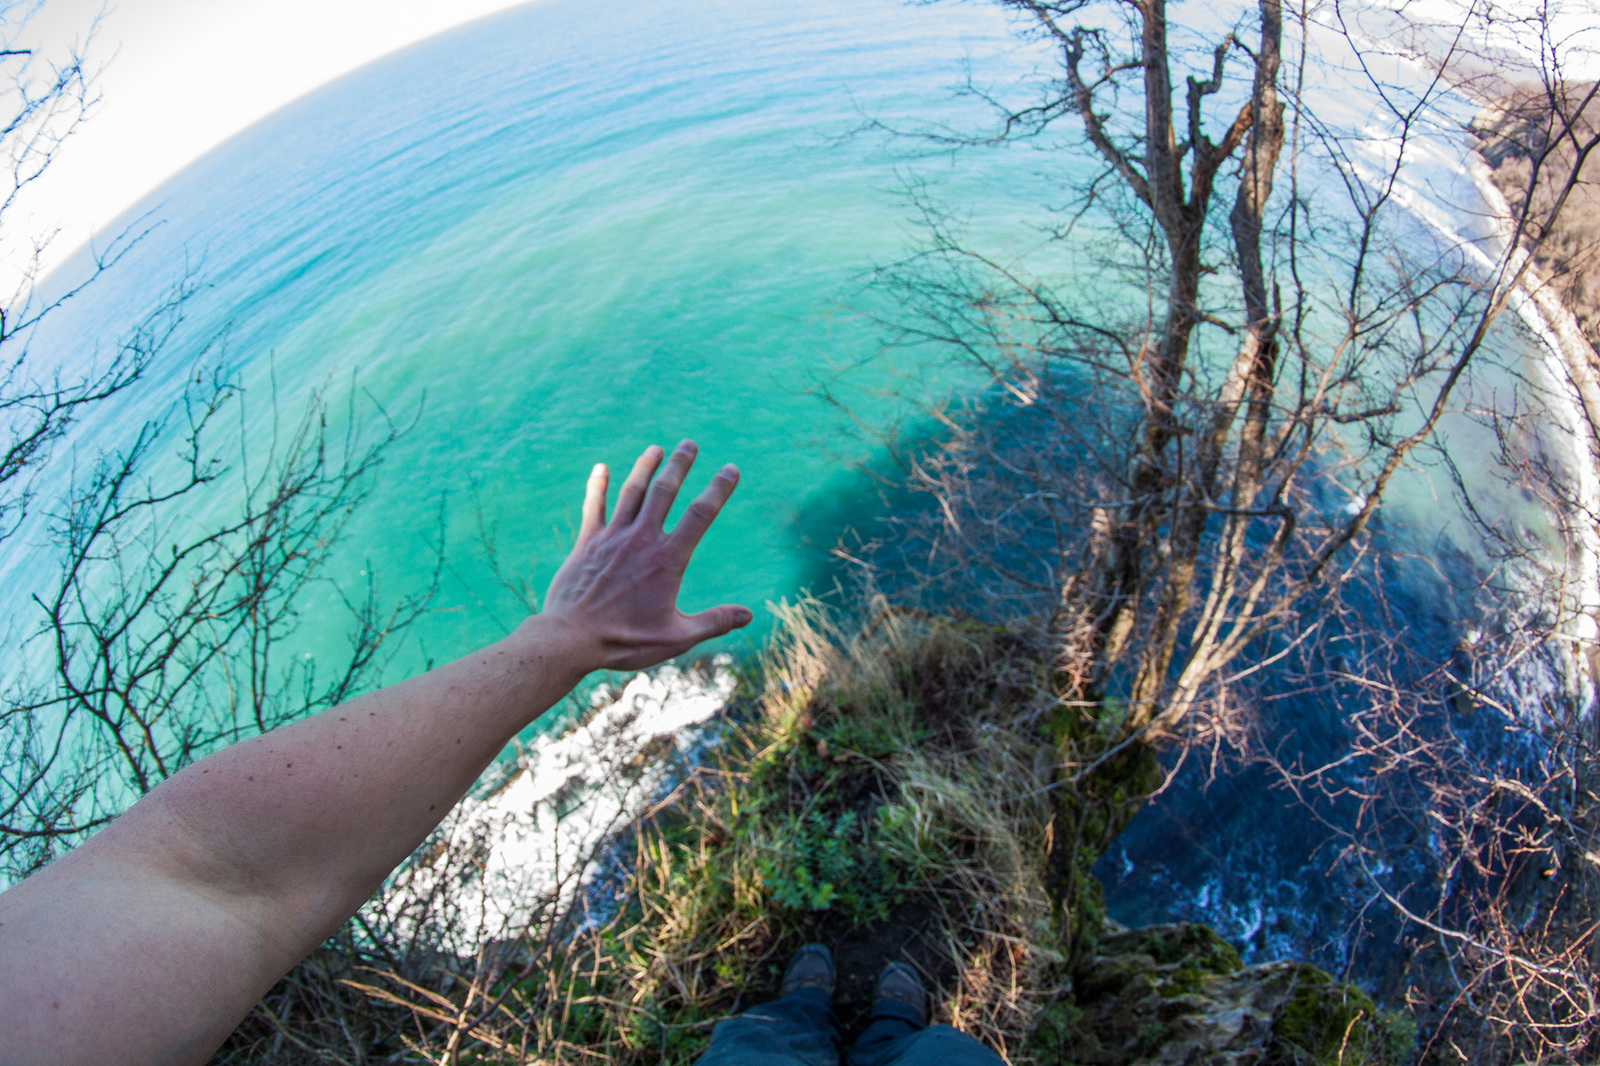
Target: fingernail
{"points": [[742, 616], [730, 471], [599, 470]]}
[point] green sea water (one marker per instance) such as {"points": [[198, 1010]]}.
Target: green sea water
{"points": [[546, 240]]}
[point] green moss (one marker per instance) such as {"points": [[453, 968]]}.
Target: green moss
{"points": [[1150, 1036], [1110, 978], [1400, 1035], [1325, 1021], [1185, 945], [1182, 981], [1147, 988], [800, 828], [1058, 1033]]}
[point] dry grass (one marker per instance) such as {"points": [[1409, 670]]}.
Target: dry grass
{"points": [[875, 796], [1524, 127]]}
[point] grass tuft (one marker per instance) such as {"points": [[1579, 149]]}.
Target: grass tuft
{"points": [[862, 803], [882, 790]]}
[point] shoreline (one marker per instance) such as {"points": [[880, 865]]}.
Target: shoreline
{"points": [[548, 829], [1573, 368]]}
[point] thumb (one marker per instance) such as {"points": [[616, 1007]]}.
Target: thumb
{"points": [[717, 621]]}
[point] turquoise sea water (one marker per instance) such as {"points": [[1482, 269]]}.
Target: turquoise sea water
{"points": [[560, 238], [563, 233]]}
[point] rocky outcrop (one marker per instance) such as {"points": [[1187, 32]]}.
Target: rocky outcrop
{"points": [[1178, 995]]}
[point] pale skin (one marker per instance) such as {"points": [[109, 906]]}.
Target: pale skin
{"points": [[152, 940]]}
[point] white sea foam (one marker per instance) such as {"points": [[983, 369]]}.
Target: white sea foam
{"points": [[1445, 185], [539, 836], [1566, 367]]}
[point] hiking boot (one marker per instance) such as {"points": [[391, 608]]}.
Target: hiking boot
{"points": [[900, 984], [811, 967]]}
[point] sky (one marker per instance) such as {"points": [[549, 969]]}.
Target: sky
{"points": [[178, 77]]}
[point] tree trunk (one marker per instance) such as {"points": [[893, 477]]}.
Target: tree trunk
{"points": [[1250, 380], [1090, 812]]}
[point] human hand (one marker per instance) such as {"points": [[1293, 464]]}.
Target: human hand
{"points": [[616, 594]]}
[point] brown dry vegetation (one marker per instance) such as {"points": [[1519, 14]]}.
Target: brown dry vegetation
{"points": [[876, 797], [883, 793], [1516, 132]]}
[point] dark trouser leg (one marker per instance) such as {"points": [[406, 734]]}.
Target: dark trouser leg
{"points": [[893, 1037], [797, 1030]]}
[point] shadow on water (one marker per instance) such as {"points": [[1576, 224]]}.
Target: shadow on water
{"points": [[1232, 847], [1223, 845], [837, 524]]}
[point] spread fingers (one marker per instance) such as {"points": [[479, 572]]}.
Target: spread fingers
{"points": [[703, 510], [665, 488], [631, 495]]}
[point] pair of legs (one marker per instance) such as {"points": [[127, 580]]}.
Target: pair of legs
{"points": [[799, 1028]]}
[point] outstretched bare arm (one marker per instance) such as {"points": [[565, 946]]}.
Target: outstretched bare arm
{"points": [[151, 941]]}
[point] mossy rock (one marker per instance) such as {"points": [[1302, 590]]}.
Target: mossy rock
{"points": [[1324, 1021], [1179, 994], [1180, 944], [1108, 975]]}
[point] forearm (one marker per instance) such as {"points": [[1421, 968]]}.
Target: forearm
{"points": [[335, 802], [151, 941], [233, 870]]}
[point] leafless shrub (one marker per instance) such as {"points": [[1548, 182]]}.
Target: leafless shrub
{"points": [[163, 636], [1176, 471]]}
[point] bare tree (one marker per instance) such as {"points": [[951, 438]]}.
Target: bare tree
{"points": [[1178, 467], [43, 102], [1480, 826], [163, 635]]}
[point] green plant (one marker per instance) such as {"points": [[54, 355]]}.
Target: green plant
{"points": [[819, 863], [771, 843], [877, 736]]}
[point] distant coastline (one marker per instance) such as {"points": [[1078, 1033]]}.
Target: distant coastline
{"points": [[1559, 297]]}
